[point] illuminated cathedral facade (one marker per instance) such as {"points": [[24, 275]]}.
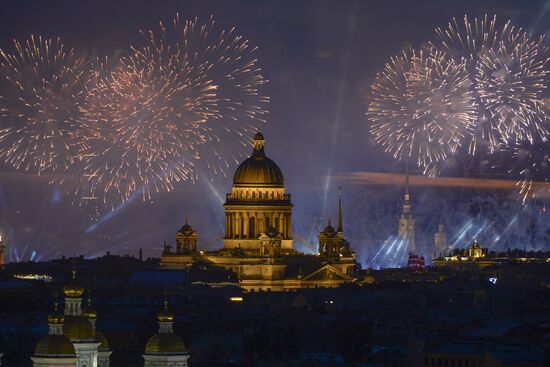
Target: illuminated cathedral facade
{"points": [[257, 244]]}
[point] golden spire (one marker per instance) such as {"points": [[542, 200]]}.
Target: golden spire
{"points": [[89, 312], [407, 178], [165, 315], [56, 318]]}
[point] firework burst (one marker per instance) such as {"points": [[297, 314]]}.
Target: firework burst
{"points": [[42, 86], [421, 107], [531, 162], [231, 63], [507, 68], [171, 106], [145, 114]]}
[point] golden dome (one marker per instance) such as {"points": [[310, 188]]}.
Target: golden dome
{"points": [[258, 170], [77, 327], [88, 312], [56, 317], [165, 343], [165, 316], [73, 290], [102, 340], [54, 345]]}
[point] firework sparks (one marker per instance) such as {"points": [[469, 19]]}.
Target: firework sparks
{"points": [[168, 108], [42, 90], [531, 162], [421, 107], [507, 68]]}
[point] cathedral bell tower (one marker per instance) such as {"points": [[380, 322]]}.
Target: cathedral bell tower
{"points": [[257, 203]]}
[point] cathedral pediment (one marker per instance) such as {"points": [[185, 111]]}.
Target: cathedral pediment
{"points": [[327, 272]]}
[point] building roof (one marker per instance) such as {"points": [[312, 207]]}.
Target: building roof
{"points": [[55, 345], [78, 328], [165, 343], [258, 169]]}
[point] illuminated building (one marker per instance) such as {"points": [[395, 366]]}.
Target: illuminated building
{"points": [[88, 347], [55, 349], [257, 245], [165, 349], [474, 257], [77, 328], [406, 221], [440, 240], [103, 352]]}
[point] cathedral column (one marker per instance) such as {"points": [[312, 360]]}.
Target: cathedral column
{"points": [[234, 225], [226, 225], [260, 224], [239, 224], [245, 226]]}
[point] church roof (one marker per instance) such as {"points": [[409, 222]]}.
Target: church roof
{"points": [[329, 230], [55, 345], [165, 343]]}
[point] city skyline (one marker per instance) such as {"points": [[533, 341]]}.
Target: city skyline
{"points": [[320, 138]]}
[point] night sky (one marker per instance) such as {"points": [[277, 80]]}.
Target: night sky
{"points": [[320, 58]]}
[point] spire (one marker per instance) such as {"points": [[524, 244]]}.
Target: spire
{"points": [[407, 179], [339, 229], [165, 317]]}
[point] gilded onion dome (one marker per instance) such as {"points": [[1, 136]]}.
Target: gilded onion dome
{"points": [[73, 290], [165, 315], [56, 317], [88, 312], [165, 343], [54, 345], [258, 170], [78, 328]]}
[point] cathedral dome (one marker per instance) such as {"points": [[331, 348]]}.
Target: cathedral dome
{"points": [[55, 345], [78, 328], [165, 343], [258, 170]]}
